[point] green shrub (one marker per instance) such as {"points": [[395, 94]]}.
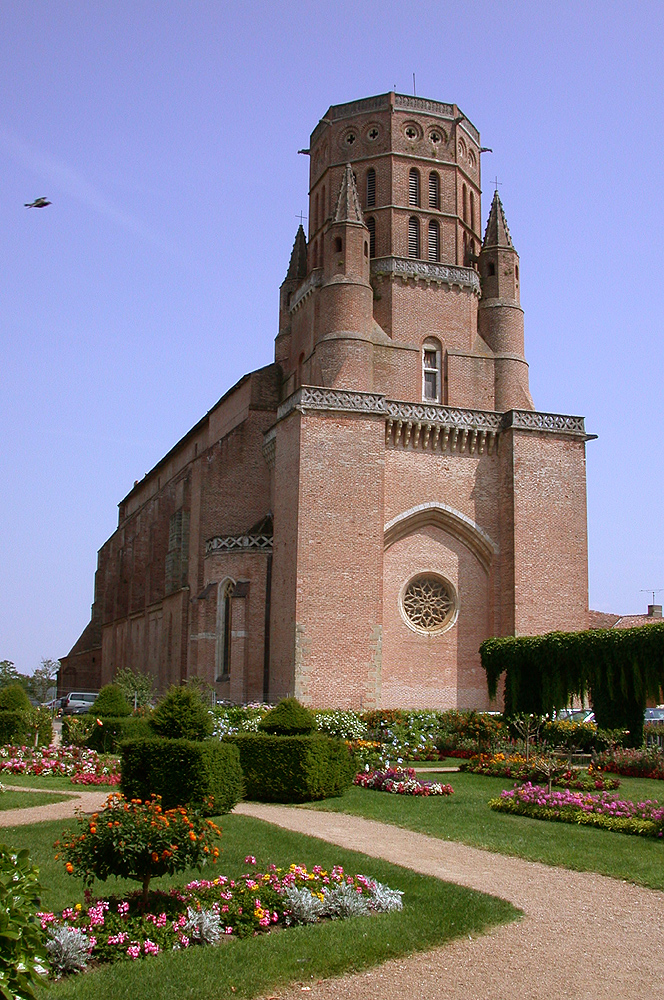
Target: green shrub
{"points": [[182, 772], [182, 715], [21, 942], [107, 733], [76, 729], [293, 768], [26, 726], [288, 718], [137, 687], [14, 698], [111, 703], [14, 727]]}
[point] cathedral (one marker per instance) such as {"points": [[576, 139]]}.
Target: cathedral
{"points": [[350, 522]]}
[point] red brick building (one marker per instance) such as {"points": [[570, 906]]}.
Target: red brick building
{"points": [[350, 522]]}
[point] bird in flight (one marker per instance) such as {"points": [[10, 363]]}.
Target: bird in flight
{"points": [[38, 203]]}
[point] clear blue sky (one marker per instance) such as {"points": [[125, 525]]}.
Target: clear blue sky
{"points": [[166, 134]]}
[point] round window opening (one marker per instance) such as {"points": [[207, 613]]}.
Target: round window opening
{"points": [[429, 604]]}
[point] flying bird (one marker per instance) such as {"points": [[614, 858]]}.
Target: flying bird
{"points": [[38, 203]]}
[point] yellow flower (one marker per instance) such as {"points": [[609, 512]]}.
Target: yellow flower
{"points": [[78, 907]]}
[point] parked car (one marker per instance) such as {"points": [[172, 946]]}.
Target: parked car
{"points": [[655, 715], [575, 715], [78, 702]]}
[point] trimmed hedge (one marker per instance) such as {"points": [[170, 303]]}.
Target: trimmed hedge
{"points": [[181, 715], [182, 771], [111, 703], [288, 718], [106, 738], [19, 727], [293, 768]]}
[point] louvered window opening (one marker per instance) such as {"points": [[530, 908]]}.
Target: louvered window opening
{"points": [[413, 238], [434, 241], [413, 188], [430, 367], [371, 188], [371, 226], [434, 191]]}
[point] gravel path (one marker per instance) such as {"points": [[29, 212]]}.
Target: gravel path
{"points": [[88, 802], [583, 936]]}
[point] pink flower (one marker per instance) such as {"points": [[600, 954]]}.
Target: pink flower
{"points": [[250, 860], [134, 950]]}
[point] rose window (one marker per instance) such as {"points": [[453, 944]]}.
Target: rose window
{"points": [[429, 604]]}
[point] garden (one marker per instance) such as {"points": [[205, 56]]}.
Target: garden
{"points": [[118, 901]]}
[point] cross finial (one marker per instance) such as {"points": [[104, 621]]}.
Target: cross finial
{"points": [[497, 182], [301, 217]]}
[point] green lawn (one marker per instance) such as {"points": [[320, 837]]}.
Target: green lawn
{"points": [[20, 800], [465, 817], [434, 912], [52, 782]]}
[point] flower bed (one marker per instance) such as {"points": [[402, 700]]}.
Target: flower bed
{"points": [[539, 768], [632, 763], [400, 782], [207, 912], [83, 766], [645, 819]]}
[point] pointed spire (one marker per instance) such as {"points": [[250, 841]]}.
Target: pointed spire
{"points": [[497, 234], [348, 203], [298, 261]]}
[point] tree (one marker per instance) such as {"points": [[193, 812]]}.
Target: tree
{"points": [[41, 682], [8, 673], [137, 688]]}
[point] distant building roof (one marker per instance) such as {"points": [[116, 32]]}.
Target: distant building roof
{"points": [[604, 619]]}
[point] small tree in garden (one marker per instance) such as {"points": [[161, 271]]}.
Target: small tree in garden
{"points": [[138, 840], [182, 716], [14, 698], [138, 688], [288, 718], [528, 728]]}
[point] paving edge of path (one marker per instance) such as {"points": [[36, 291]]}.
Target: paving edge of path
{"points": [[583, 936]]}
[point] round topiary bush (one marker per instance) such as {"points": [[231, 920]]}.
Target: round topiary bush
{"points": [[288, 718], [182, 715], [111, 703], [14, 698]]}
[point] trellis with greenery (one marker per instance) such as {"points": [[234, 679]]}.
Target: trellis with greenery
{"points": [[618, 669]]}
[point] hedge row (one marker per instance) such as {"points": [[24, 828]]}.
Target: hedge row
{"points": [[182, 771], [293, 768]]}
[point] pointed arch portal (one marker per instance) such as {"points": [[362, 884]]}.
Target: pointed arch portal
{"points": [[452, 521]]}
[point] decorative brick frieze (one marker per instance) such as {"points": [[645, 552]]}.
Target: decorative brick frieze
{"points": [[234, 543], [530, 420], [421, 270], [313, 398], [441, 428]]}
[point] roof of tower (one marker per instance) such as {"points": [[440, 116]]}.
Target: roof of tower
{"points": [[297, 267], [348, 203], [497, 233]]}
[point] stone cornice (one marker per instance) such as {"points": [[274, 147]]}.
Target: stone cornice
{"points": [[422, 270], [426, 426]]}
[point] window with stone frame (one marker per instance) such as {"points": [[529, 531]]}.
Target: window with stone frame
{"points": [[431, 371], [223, 630], [429, 604]]}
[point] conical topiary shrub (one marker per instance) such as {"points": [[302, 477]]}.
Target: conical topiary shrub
{"points": [[111, 703], [288, 718], [182, 715]]}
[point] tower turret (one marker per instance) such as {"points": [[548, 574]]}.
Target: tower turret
{"points": [[346, 295], [297, 272], [500, 316]]}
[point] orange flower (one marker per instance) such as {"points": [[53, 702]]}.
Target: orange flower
{"points": [[192, 835], [69, 866], [155, 856], [93, 829]]}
